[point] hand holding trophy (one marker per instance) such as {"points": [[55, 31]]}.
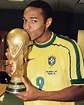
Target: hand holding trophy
{"points": [[18, 43]]}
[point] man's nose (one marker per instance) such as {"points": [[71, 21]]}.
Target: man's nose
{"points": [[26, 26]]}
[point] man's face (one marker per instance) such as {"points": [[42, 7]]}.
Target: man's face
{"points": [[34, 22]]}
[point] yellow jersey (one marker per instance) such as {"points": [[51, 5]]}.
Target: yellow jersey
{"points": [[55, 65]]}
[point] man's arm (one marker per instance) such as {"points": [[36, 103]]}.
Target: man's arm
{"points": [[69, 94]]}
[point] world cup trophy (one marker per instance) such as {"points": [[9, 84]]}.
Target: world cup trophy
{"points": [[18, 43]]}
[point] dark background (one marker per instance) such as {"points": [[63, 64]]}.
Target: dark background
{"points": [[64, 23]]}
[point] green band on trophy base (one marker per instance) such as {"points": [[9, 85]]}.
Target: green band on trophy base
{"points": [[16, 83], [15, 87], [15, 90]]}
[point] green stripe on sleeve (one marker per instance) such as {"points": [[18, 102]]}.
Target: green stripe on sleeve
{"points": [[78, 72], [77, 81]]}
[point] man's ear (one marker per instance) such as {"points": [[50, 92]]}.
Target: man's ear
{"points": [[48, 22]]}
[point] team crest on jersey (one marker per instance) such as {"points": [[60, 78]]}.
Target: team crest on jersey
{"points": [[51, 60]]}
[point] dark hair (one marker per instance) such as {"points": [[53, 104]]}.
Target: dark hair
{"points": [[46, 8]]}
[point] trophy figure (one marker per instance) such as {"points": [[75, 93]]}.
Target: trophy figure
{"points": [[18, 44]]}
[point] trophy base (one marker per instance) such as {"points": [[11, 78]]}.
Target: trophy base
{"points": [[14, 87]]}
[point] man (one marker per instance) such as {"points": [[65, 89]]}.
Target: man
{"points": [[55, 67]]}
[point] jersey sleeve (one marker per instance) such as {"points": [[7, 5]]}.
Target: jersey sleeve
{"points": [[76, 65]]}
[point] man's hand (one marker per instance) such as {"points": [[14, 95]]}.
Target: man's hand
{"points": [[31, 92]]}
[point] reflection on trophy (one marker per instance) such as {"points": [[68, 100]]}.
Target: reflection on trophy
{"points": [[18, 43]]}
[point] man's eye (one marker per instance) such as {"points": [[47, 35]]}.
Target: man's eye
{"points": [[34, 21]]}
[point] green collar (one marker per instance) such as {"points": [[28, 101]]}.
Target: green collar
{"points": [[46, 44]]}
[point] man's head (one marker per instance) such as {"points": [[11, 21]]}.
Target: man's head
{"points": [[37, 20]]}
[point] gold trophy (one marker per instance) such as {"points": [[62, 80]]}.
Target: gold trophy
{"points": [[18, 43]]}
